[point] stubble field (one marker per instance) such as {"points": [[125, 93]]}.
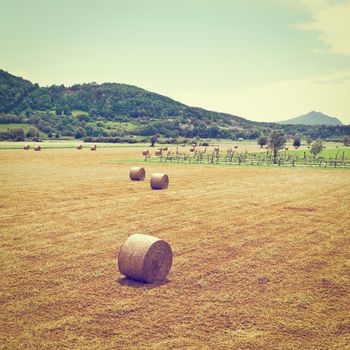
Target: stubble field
{"points": [[261, 255]]}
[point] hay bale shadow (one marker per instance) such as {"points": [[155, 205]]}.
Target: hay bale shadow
{"points": [[128, 282]]}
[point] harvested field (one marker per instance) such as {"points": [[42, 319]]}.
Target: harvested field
{"points": [[261, 255]]}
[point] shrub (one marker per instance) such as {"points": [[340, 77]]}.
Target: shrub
{"points": [[346, 141]]}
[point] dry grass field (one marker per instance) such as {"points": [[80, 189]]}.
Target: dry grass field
{"points": [[261, 255]]}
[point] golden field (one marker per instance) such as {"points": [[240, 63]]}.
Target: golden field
{"points": [[261, 255]]}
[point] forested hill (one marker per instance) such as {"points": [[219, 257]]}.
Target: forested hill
{"points": [[108, 100], [113, 109]]}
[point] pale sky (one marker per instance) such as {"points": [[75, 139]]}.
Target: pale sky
{"points": [[264, 60]]}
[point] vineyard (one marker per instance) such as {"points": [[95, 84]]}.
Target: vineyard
{"points": [[337, 159]]}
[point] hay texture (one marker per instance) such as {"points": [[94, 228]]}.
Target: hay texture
{"points": [[145, 258], [137, 173], [37, 148], [159, 181], [26, 147]]}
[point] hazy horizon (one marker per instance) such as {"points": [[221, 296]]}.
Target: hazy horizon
{"points": [[267, 60]]}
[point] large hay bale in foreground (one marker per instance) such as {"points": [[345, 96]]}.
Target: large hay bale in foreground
{"points": [[37, 148], [159, 181], [137, 173], [145, 258]]}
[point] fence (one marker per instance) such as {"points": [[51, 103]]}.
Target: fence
{"points": [[234, 157]]}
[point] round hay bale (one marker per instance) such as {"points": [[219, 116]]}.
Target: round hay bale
{"points": [[93, 148], [159, 181], [192, 149], [79, 147], [37, 148], [137, 173], [216, 149], [286, 149], [158, 153], [145, 258], [145, 152], [165, 148], [236, 146], [26, 147]]}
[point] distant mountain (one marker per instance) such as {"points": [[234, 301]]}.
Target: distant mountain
{"points": [[313, 118]]}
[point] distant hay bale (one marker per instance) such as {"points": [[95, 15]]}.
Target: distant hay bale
{"points": [[145, 152], [159, 181], [192, 149], [158, 152], [37, 148], [93, 148], [286, 149], [236, 146], [26, 147], [165, 148], [183, 145], [296, 147], [145, 258], [79, 147], [137, 173]]}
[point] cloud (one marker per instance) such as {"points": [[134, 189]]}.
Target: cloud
{"points": [[330, 19], [281, 100]]}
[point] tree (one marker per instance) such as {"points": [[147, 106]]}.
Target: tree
{"points": [[32, 132], [296, 141], [316, 147], [18, 134], [262, 141], [154, 139], [277, 140], [59, 110], [80, 133], [346, 141]]}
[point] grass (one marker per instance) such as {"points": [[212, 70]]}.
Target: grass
{"points": [[56, 144], [128, 127], [5, 127], [24, 126], [327, 153], [260, 255]]}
